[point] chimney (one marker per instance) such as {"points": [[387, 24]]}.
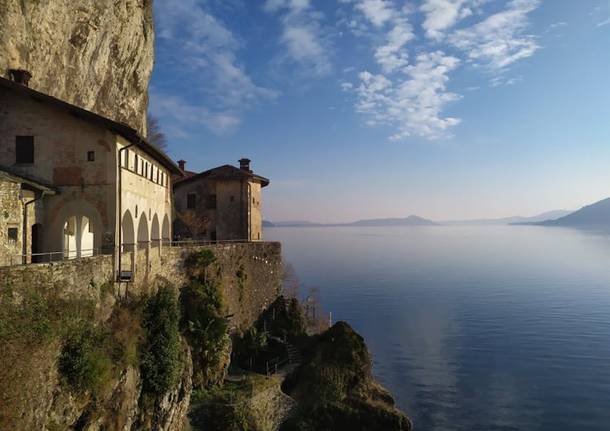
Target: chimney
{"points": [[181, 164], [244, 165], [20, 76]]}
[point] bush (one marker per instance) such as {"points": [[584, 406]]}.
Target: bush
{"points": [[198, 262], [205, 329], [219, 410], [160, 358], [86, 361]]}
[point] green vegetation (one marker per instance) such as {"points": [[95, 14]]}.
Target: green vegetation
{"points": [[242, 277], [205, 328], [161, 354], [86, 361], [335, 388], [227, 408]]}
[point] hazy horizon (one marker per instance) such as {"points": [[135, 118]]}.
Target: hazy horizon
{"points": [[446, 220], [358, 109]]}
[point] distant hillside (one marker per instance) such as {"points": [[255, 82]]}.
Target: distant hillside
{"points": [[596, 215], [549, 215], [267, 223], [407, 221], [297, 223]]}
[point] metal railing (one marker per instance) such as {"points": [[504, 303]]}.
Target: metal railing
{"points": [[54, 256], [140, 246], [197, 242]]}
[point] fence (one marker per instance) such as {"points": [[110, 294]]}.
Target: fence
{"points": [[127, 250]]}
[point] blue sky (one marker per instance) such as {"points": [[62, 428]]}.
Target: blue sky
{"points": [[356, 109]]}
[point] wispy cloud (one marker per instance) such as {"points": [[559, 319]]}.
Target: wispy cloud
{"points": [[302, 35], [500, 39], [441, 15], [413, 104], [190, 116], [203, 53]]}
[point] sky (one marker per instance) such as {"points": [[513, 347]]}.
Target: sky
{"points": [[354, 109]]}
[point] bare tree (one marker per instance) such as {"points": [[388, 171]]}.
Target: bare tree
{"points": [[193, 222], [290, 282], [156, 136]]}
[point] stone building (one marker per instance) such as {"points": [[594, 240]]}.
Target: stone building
{"points": [[224, 203], [106, 189], [20, 205]]}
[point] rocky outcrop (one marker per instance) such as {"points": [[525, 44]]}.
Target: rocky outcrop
{"points": [[95, 54], [335, 388]]}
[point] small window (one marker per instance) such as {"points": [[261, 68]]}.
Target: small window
{"points": [[135, 164], [91, 157], [24, 149], [212, 202], [125, 161], [191, 201], [12, 234]]}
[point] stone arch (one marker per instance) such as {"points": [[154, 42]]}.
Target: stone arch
{"points": [[155, 233], [127, 232], [77, 227], [143, 232], [165, 232]]}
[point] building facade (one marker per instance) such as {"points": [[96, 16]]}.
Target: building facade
{"points": [[111, 189], [224, 203]]}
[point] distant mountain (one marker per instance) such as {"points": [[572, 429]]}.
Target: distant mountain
{"points": [[407, 221], [549, 215], [297, 223], [593, 216], [267, 223]]}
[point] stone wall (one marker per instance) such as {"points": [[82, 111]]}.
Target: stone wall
{"points": [[72, 278], [249, 273], [11, 217]]}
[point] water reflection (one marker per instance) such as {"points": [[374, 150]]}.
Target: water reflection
{"points": [[473, 328]]}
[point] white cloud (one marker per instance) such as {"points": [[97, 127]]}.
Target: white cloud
{"points": [[302, 34], [393, 55], [499, 40], [412, 103], [441, 15], [202, 51], [190, 116], [377, 12]]}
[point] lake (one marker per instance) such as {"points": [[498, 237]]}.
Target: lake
{"points": [[472, 328]]}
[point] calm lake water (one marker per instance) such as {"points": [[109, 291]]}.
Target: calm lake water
{"points": [[473, 328]]}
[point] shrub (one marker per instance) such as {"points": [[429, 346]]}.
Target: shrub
{"points": [[86, 361], [198, 263], [160, 358], [205, 329], [219, 410]]}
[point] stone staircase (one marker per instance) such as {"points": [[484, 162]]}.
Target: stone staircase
{"points": [[294, 356]]}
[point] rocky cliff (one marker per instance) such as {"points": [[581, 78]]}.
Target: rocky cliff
{"points": [[95, 54]]}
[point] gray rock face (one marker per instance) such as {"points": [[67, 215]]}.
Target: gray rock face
{"points": [[95, 54]]}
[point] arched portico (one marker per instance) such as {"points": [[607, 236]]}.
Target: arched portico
{"points": [[165, 232], [77, 229], [143, 235], [155, 232]]}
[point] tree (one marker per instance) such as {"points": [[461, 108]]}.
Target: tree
{"points": [[156, 136]]}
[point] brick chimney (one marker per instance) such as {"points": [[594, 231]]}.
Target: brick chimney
{"points": [[181, 164], [20, 76], [244, 165]]}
